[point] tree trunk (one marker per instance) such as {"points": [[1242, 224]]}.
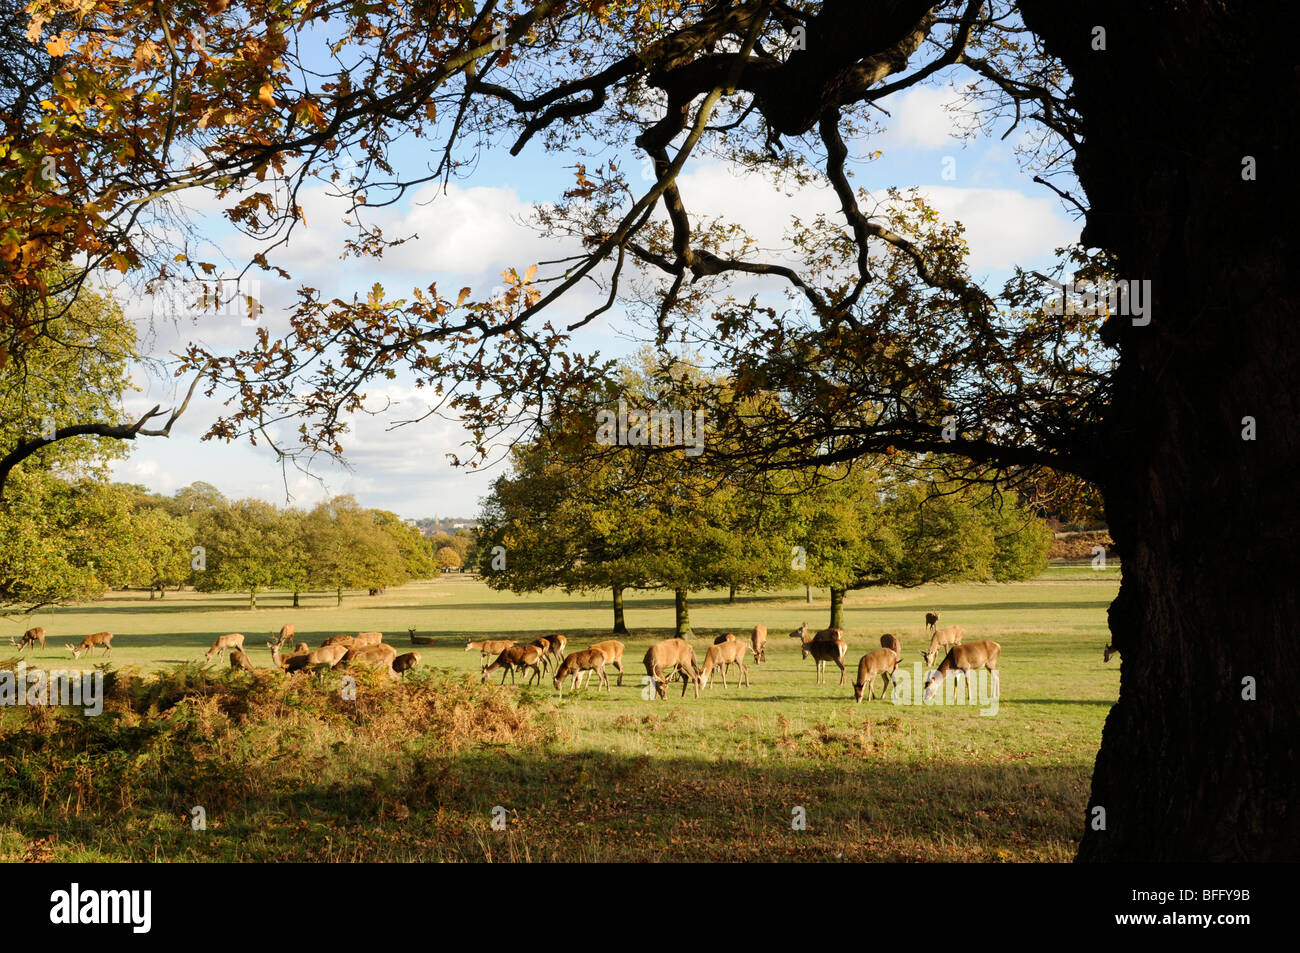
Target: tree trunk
{"points": [[252, 598], [837, 608], [295, 599], [620, 627], [683, 615], [731, 595], [807, 594], [152, 594], [339, 600], [1198, 757]]}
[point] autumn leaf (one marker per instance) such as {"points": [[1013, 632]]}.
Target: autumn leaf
{"points": [[530, 274], [265, 95], [464, 293], [57, 46]]}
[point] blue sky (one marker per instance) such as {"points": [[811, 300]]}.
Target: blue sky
{"points": [[468, 235]]}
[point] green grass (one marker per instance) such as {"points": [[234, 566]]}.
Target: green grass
{"points": [[287, 773]]}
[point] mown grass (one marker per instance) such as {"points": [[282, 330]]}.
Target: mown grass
{"points": [[288, 770]]}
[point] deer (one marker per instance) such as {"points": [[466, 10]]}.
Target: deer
{"points": [[722, 654], [405, 662], [378, 656], [232, 641], [517, 656], [580, 663], [672, 654], [363, 639], [931, 620], [327, 655], [547, 645], [942, 638], [882, 661], [728, 637], [286, 663], [420, 639], [238, 660], [760, 644], [487, 649], [89, 643], [286, 632], [558, 645], [965, 659], [300, 648], [31, 637], [613, 652], [888, 641], [1108, 651], [823, 650]]}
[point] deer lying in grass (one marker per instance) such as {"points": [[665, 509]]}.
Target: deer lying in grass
{"points": [[888, 641], [672, 655], [404, 663], [760, 644], [827, 645], [346, 641], [883, 661], [232, 641], [363, 639], [942, 639], [722, 654], [488, 649], [31, 637], [89, 643], [1108, 651], [420, 639], [238, 660], [517, 656], [287, 663], [579, 665], [965, 659], [613, 652]]}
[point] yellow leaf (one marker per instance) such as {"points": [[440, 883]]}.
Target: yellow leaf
{"points": [[530, 273], [266, 95], [57, 46]]}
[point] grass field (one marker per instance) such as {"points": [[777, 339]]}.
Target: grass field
{"points": [[295, 775]]}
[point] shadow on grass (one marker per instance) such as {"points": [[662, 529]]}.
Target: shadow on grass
{"points": [[593, 806]]}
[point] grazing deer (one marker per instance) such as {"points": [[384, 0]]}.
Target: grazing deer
{"points": [[883, 661], [942, 639], [232, 641], [488, 649], [888, 641], [327, 655], [1108, 651], [613, 652], [420, 639], [89, 643], [964, 659], [518, 656], [760, 644], [672, 655], [559, 643], [722, 654], [286, 633], [578, 664], [547, 644], [238, 660], [376, 656], [404, 663], [728, 637], [823, 650], [931, 620], [31, 637]]}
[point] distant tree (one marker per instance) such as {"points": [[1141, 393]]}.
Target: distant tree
{"points": [[413, 546], [243, 548], [448, 558]]}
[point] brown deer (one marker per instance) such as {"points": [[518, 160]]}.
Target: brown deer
{"points": [[965, 659], [882, 661], [613, 651], [488, 649], [232, 641], [547, 645], [728, 637], [942, 639], [286, 633], [89, 643], [931, 620], [760, 644], [827, 645], [888, 641], [559, 643], [405, 662], [327, 655], [31, 637], [518, 656], [238, 660], [378, 656], [287, 663], [364, 639], [1108, 651], [722, 654], [420, 639], [346, 641], [672, 655], [578, 664]]}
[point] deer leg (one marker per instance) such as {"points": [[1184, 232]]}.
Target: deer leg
{"points": [[744, 673], [619, 665], [842, 670]]}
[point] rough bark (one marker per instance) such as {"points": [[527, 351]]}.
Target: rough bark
{"points": [[683, 614], [620, 626], [1205, 521], [837, 609]]}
